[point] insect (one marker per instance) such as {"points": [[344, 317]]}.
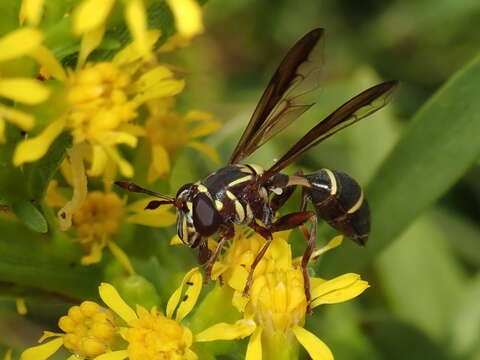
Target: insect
{"points": [[251, 195]]}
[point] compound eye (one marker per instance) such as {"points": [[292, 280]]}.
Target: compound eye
{"points": [[206, 218]]}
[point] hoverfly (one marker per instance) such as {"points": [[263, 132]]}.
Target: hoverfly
{"points": [[250, 195]]}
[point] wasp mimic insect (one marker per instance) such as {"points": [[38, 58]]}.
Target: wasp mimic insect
{"points": [[250, 195]]}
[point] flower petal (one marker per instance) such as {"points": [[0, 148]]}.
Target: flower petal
{"points": [[31, 11], [33, 149], [19, 42], [99, 161], [94, 255], [112, 299], [90, 42], [339, 289], [175, 298], [188, 17], [2, 131], [155, 218], [113, 355], [130, 54], [41, 352], [206, 149], [125, 167], [160, 160], [165, 88], [21, 119], [90, 15], [315, 347], [194, 286], [175, 240], [45, 57], [190, 355], [223, 331], [137, 23], [205, 129], [21, 306], [332, 244], [121, 256], [254, 348], [26, 91]]}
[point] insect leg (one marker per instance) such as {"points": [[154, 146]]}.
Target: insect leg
{"points": [[213, 257], [294, 220], [267, 235]]}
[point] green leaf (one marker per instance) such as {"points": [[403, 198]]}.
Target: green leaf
{"points": [[28, 214], [439, 145], [422, 279]]}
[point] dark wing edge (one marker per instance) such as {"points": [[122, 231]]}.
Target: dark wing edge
{"points": [[281, 102], [357, 108]]}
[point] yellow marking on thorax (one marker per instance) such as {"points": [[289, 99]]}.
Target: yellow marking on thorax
{"points": [[218, 205], [357, 204], [241, 180], [249, 212], [239, 210], [189, 206], [333, 181], [230, 195], [202, 188], [258, 169]]}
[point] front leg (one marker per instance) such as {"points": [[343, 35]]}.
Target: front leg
{"points": [[213, 257]]}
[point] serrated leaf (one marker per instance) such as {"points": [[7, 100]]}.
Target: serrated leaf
{"points": [[29, 215], [437, 148]]}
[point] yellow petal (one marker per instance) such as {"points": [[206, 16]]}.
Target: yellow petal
{"points": [[33, 149], [175, 240], [340, 282], [198, 115], [160, 160], [206, 149], [49, 334], [95, 254], [194, 284], [2, 131], [188, 16], [90, 15], [155, 218], [113, 355], [31, 11], [112, 299], [130, 54], [19, 118], [342, 295], [254, 348], [205, 129], [99, 161], [175, 298], [151, 78], [137, 23], [49, 62], [121, 256], [26, 91], [19, 42], [223, 331], [165, 88], [315, 347], [190, 355], [125, 167], [8, 355], [41, 352], [332, 244], [90, 41]]}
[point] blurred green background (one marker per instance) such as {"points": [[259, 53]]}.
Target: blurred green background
{"points": [[420, 169]]}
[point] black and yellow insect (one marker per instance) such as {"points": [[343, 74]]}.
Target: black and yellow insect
{"points": [[250, 195]]}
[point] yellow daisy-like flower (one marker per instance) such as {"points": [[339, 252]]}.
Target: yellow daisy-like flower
{"points": [[27, 91], [152, 335], [277, 304], [31, 11], [89, 331], [102, 101], [168, 131]]}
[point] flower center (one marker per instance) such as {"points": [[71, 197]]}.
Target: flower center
{"points": [[89, 329], [99, 216], [154, 337], [100, 104], [169, 130], [277, 300]]}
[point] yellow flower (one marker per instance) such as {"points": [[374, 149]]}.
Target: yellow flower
{"points": [[27, 91], [90, 20], [188, 17], [167, 131], [102, 100], [31, 11], [89, 330], [152, 335], [277, 304]]}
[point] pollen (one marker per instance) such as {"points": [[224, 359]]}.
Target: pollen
{"points": [[89, 329], [153, 336], [99, 217]]}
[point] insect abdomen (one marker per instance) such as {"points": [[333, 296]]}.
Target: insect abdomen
{"points": [[339, 200]]}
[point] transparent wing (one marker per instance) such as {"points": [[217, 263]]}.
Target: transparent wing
{"points": [[281, 103], [357, 108]]}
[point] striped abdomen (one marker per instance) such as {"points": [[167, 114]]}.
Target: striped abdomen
{"points": [[339, 200]]}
